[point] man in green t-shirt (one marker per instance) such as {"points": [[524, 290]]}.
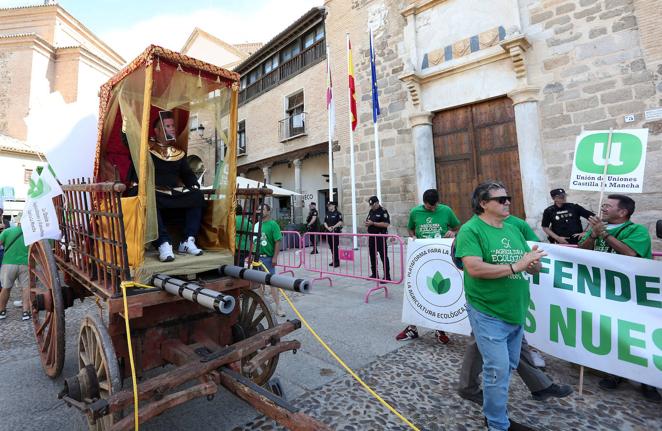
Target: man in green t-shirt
{"points": [[243, 234], [540, 385], [269, 247], [430, 220], [14, 269], [616, 233], [494, 255]]}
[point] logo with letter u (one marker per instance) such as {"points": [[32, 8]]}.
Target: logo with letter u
{"points": [[623, 158]]}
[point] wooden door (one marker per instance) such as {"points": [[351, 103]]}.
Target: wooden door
{"points": [[473, 144]]}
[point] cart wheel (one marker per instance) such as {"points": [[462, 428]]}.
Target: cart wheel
{"points": [[47, 307], [254, 316], [96, 348]]}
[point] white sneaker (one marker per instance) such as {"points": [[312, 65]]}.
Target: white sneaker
{"points": [[18, 304], [165, 252], [189, 247]]}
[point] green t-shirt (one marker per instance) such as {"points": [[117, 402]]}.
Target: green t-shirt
{"points": [[432, 224], [631, 234], [17, 252], [244, 225], [505, 298], [270, 234], [523, 227]]}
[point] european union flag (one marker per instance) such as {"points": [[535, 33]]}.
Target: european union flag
{"points": [[373, 70]]}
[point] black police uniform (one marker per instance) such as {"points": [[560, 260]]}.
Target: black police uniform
{"points": [[331, 219], [565, 221], [378, 244], [313, 228]]}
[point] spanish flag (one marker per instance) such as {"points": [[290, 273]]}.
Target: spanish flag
{"points": [[352, 86]]}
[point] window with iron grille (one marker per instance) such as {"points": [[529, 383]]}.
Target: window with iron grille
{"points": [[241, 138], [295, 115]]}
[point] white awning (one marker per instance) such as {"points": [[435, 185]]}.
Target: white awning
{"points": [[278, 191]]}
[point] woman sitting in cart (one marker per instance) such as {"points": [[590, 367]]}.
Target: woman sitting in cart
{"points": [[171, 169]]}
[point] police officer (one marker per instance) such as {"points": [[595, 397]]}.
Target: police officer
{"points": [[313, 224], [377, 222], [562, 221], [333, 223]]}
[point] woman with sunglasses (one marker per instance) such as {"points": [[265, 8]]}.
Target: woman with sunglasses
{"points": [[494, 255]]}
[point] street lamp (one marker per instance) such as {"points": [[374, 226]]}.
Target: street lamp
{"points": [[201, 132]]}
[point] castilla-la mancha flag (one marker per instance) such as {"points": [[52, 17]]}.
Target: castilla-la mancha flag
{"points": [[352, 86]]}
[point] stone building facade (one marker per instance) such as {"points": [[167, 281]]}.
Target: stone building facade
{"points": [[502, 92], [43, 49], [283, 128]]}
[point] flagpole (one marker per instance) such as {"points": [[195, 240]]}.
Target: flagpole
{"points": [[351, 146], [330, 120], [378, 169]]}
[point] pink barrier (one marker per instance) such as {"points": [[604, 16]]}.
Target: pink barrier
{"points": [[286, 260], [355, 263]]}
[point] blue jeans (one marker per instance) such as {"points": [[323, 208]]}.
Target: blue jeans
{"points": [[499, 344], [268, 262], [192, 221]]}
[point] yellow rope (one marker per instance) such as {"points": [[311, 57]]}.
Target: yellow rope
{"points": [[337, 358], [124, 285]]}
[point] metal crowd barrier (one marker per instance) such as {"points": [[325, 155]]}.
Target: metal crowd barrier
{"points": [[286, 260], [355, 263]]}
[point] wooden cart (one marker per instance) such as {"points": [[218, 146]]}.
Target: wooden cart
{"points": [[94, 261]]}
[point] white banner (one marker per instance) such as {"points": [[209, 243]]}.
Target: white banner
{"points": [[39, 220], [604, 312], [434, 287], [625, 162]]}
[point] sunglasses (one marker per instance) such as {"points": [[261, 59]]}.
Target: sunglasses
{"points": [[501, 199]]}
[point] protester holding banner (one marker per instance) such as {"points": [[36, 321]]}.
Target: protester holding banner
{"points": [[494, 255], [616, 233], [430, 220], [14, 269], [562, 222]]}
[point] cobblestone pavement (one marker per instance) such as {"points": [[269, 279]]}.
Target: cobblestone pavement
{"points": [[17, 336], [417, 378], [419, 381]]}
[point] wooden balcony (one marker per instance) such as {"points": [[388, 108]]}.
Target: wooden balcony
{"points": [[297, 64]]}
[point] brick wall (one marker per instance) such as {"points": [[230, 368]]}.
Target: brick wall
{"points": [[597, 61], [263, 113], [5, 84], [398, 179]]}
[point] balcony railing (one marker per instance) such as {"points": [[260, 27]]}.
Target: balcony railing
{"points": [[292, 126], [306, 58]]}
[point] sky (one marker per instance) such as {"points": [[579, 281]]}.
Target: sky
{"points": [[129, 26]]}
